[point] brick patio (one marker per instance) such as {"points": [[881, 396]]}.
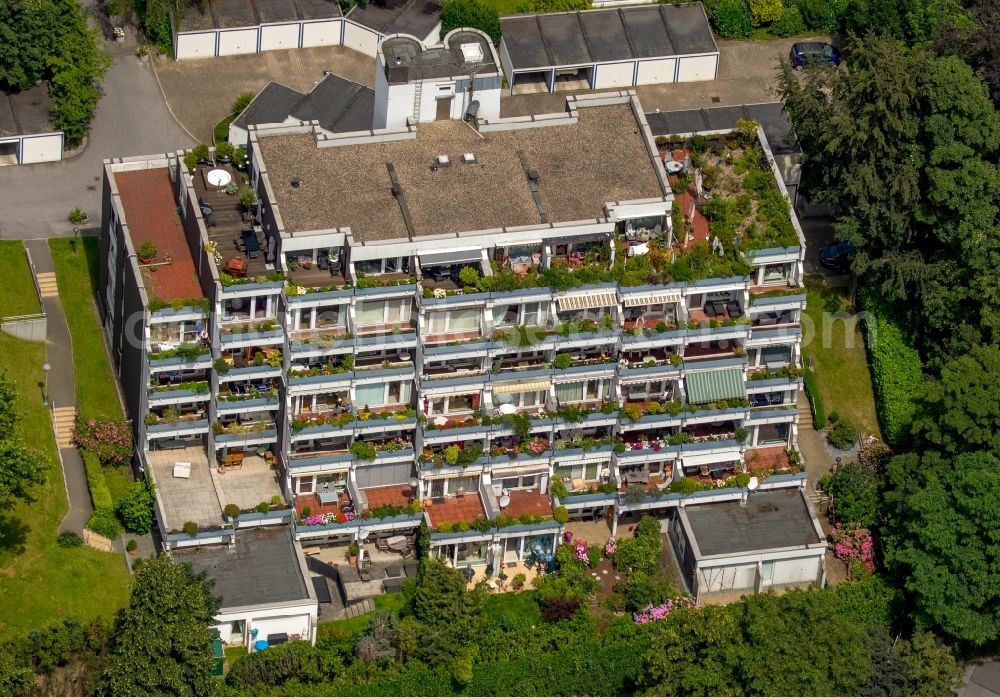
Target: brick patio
{"points": [[456, 509], [530, 502]]}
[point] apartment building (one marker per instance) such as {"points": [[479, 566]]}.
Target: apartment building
{"points": [[468, 326]]}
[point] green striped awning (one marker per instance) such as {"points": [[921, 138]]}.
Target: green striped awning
{"points": [[713, 385]]}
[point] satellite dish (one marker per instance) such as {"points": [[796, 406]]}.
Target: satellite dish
{"points": [[363, 534], [753, 483]]}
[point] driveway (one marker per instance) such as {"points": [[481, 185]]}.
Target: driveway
{"points": [[131, 119], [201, 91], [748, 73]]}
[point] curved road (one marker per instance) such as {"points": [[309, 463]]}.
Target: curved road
{"points": [[132, 119]]}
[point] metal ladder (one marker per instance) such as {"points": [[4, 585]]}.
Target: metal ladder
{"points": [[417, 94]]}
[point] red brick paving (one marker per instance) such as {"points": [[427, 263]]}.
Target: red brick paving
{"points": [[151, 214], [530, 502], [767, 458], [457, 509], [398, 495]]}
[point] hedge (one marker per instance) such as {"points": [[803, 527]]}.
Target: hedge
{"points": [[815, 398], [895, 365], [100, 494]]}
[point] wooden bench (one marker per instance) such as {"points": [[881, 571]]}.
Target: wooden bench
{"points": [[233, 460]]}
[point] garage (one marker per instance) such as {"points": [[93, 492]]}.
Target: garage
{"points": [[607, 49]]}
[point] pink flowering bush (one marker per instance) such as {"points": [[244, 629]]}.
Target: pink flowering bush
{"points": [[537, 445], [610, 548], [580, 550], [326, 519], [853, 544], [654, 613], [110, 440]]}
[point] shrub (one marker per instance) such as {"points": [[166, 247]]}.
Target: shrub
{"points": [[297, 659], [363, 451], [109, 439], [842, 435], [732, 19], [593, 556], [307, 511], [562, 361], [688, 485], [560, 514], [104, 522], [224, 151], [263, 507], [241, 102], [559, 489], [789, 23], [854, 490], [232, 510], [815, 398], [896, 369], [640, 590], [100, 495], [519, 580], [136, 508], [477, 14], [191, 528], [468, 276], [76, 216], [68, 539], [132, 545], [820, 15], [764, 11], [557, 609], [834, 417]]}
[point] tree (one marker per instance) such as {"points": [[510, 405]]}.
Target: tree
{"points": [[975, 41], [906, 144], [450, 615], [21, 469], [854, 489], [136, 508], [10, 417], [477, 14], [944, 543], [959, 412], [917, 667], [161, 642]]}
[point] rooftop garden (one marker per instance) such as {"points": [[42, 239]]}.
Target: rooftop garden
{"points": [[188, 352], [634, 412], [331, 367]]}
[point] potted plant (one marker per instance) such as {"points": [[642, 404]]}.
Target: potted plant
{"points": [[132, 547], [248, 197], [232, 511], [146, 252], [518, 581], [352, 553], [77, 216], [119, 33], [142, 52]]}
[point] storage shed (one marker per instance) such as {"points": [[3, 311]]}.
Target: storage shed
{"points": [[599, 49]]}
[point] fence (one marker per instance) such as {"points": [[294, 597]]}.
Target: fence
{"points": [[337, 31]]}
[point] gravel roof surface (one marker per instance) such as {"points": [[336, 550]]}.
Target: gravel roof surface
{"points": [[580, 167]]}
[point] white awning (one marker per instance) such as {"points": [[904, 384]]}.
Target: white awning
{"points": [[726, 456], [587, 301], [654, 298], [452, 256], [529, 386]]}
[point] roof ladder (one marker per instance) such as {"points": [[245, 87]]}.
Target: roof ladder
{"points": [[417, 93]]}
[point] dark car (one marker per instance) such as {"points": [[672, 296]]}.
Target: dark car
{"points": [[837, 255], [813, 53]]}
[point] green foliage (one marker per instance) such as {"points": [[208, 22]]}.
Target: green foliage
{"points": [[561, 514], [136, 508], [542, 6], [296, 659], [815, 398], [68, 539], [855, 492], [104, 522], [21, 470], [640, 554], [468, 276], [191, 528], [959, 412], [161, 642], [477, 14], [764, 11], [154, 18], [732, 19], [688, 485], [363, 450], [788, 23], [843, 435], [562, 361], [641, 589], [241, 102], [441, 601], [943, 542]]}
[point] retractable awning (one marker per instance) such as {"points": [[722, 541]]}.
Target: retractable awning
{"points": [[654, 298], [587, 301], [528, 386], [726, 456], [450, 257], [713, 385]]}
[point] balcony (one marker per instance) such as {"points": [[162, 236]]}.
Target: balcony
{"points": [[461, 454], [245, 432], [178, 393], [225, 220], [444, 512], [245, 397], [319, 270]]}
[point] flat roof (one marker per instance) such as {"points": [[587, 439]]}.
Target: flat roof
{"points": [[415, 17], [26, 112], [563, 39], [262, 568], [601, 158], [770, 520], [228, 14], [771, 117], [150, 212], [407, 60]]}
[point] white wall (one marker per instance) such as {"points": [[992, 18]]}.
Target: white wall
{"points": [[46, 147], [295, 618], [697, 68], [801, 570], [321, 33], [277, 36], [381, 106], [235, 41], [614, 75], [195, 44], [399, 105], [361, 38], [726, 578], [656, 71]]}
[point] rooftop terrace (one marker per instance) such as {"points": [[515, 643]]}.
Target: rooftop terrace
{"points": [[151, 215], [582, 166]]}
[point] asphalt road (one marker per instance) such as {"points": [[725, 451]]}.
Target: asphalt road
{"points": [[132, 119]]}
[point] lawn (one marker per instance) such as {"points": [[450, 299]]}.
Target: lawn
{"points": [[837, 351], [388, 602], [39, 581], [18, 296], [96, 395], [520, 605]]}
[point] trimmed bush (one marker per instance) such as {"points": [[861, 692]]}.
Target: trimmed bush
{"points": [[732, 19], [100, 495], [104, 522], [815, 398], [843, 435], [764, 11], [232, 510], [132, 545], [896, 369], [191, 528], [477, 14], [68, 539], [789, 23], [136, 508], [561, 515]]}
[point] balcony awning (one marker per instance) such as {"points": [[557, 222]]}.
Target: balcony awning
{"points": [[452, 256], [587, 301], [696, 460], [713, 385], [529, 386], [654, 298]]}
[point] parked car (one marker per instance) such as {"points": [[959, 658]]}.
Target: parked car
{"points": [[837, 255], [813, 53]]}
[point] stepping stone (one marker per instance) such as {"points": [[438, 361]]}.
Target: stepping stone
{"points": [[605, 572]]}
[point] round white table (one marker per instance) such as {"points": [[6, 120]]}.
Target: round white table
{"points": [[504, 501], [218, 177], [507, 409]]}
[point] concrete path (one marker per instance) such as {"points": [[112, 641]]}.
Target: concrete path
{"points": [[132, 119], [818, 460], [62, 389]]}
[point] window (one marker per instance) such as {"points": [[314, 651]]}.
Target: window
{"points": [[767, 571], [371, 312], [463, 485], [305, 485], [436, 322], [398, 311], [463, 320], [569, 392], [369, 395]]}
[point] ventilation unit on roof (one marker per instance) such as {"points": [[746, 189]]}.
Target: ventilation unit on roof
{"points": [[469, 158], [443, 160], [533, 175], [472, 53], [296, 182]]}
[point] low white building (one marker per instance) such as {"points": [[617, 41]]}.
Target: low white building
{"points": [[266, 591], [769, 540], [419, 83]]}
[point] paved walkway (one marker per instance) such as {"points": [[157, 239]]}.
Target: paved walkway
{"points": [[62, 389], [132, 119]]}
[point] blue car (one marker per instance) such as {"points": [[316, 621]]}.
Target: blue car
{"points": [[813, 53], [837, 256]]}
